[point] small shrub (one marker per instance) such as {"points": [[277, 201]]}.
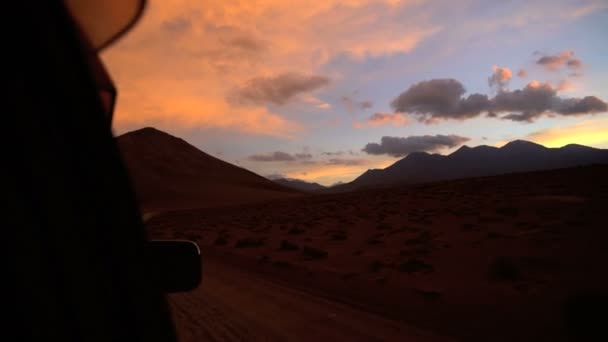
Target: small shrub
{"points": [[466, 226], [428, 294], [248, 243], [382, 280], [288, 246], [504, 269], [376, 266], [220, 241], [507, 211], [488, 219], [383, 226], [351, 275], [494, 235], [264, 259], [296, 231], [192, 236], [422, 238], [375, 241], [281, 264], [314, 253], [415, 266], [339, 236]]}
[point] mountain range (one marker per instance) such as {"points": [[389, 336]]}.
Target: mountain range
{"points": [[516, 156], [169, 173]]}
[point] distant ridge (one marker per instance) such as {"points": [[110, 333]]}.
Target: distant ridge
{"points": [[299, 184], [169, 173], [516, 156]]}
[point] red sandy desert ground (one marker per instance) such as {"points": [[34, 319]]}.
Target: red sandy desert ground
{"points": [[486, 259]]}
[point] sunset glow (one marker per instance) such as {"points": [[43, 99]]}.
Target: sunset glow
{"points": [[326, 78]]}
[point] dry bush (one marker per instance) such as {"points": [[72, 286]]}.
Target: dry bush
{"points": [[220, 241], [288, 246], [339, 235], [416, 266], [296, 231], [375, 240], [508, 211], [314, 253], [248, 243], [422, 238], [504, 268], [467, 226], [376, 265], [282, 264], [383, 226]]}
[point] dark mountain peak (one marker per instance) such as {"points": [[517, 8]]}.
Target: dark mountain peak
{"points": [[462, 150], [299, 184], [577, 147], [522, 144], [149, 131], [168, 172], [472, 152], [418, 156]]}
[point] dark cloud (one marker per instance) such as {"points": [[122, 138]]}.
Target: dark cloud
{"points": [[337, 153], [275, 176], [525, 104], [365, 104], [234, 38], [277, 90], [574, 63], [588, 104], [177, 25], [303, 156], [537, 99], [346, 162], [443, 99], [440, 99], [559, 61], [353, 104], [279, 156], [399, 147], [340, 153]]}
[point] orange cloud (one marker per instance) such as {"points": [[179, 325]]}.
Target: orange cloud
{"points": [[500, 77], [380, 119], [522, 73], [502, 73], [563, 85], [180, 63], [562, 60]]}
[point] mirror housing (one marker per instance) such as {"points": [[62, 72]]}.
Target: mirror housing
{"points": [[175, 264]]}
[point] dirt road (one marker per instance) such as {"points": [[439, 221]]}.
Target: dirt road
{"points": [[235, 305]]}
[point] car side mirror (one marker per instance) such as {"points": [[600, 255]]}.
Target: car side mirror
{"points": [[175, 264]]}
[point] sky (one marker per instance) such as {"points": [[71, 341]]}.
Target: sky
{"points": [[325, 90]]}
